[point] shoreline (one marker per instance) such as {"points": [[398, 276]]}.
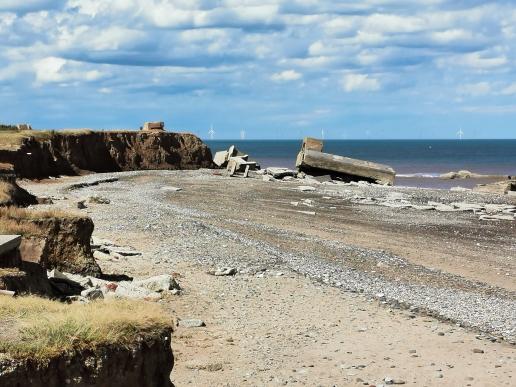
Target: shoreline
{"points": [[370, 265]]}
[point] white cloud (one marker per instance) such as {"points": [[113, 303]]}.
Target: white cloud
{"points": [[475, 89], [452, 35], [360, 82], [59, 70], [286, 76], [509, 90]]}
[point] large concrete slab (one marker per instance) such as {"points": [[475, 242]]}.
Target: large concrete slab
{"points": [[9, 243]]}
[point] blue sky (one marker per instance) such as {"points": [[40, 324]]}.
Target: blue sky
{"points": [[278, 69]]}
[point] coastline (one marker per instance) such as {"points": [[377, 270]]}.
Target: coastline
{"points": [[372, 266]]}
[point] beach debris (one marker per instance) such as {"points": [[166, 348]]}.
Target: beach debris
{"points": [[171, 189], [190, 323], [280, 173], [223, 272], [98, 200], [306, 188], [312, 160], [235, 161], [155, 126]]}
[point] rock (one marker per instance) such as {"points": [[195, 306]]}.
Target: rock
{"points": [[306, 188], [307, 212], [98, 200], [225, 271], [478, 350], [172, 189], [81, 204], [92, 294], [280, 173], [459, 189], [191, 323], [7, 293], [71, 279], [497, 217], [267, 178], [158, 283], [130, 290]]}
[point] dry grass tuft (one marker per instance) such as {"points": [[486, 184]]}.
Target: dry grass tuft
{"points": [[5, 190], [13, 138], [44, 329], [14, 220]]}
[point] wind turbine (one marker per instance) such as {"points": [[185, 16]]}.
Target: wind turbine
{"points": [[322, 134], [242, 134], [211, 132], [460, 133]]}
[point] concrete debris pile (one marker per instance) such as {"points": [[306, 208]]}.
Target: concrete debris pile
{"points": [[398, 200], [105, 249], [18, 276], [235, 161], [313, 161], [77, 288]]}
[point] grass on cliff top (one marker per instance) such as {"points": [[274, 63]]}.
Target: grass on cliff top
{"points": [[12, 138], [5, 189], [14, 220], [40, 329]]}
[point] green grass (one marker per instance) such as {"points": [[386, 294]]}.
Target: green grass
{"points": [[41, 329]]}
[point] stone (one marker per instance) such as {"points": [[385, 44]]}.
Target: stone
{"points": [[9, 243], [7, 293], [159, 283], [191, 323], [478, 350], [92, 294], [497, 217], [267, 178], [127, 289], [306, 188], [280, 173], [81, 204], [99, 255], [98, 200], [172, 189], [71, 279], [225, 271]]}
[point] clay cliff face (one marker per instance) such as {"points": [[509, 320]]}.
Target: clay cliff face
{"points": [[147, 363], [72, 154]]}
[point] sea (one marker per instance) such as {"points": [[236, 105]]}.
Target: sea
{"points": [[418, 163]]}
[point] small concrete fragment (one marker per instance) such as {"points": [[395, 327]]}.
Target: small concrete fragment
{"points": [[280, 173], [9, 243], [191, 323], [159, 283], [306, 188], [92, 294], [224, 271], [171, 189]]}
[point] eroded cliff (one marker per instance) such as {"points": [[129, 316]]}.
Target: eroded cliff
{"points": [[61, 153]]}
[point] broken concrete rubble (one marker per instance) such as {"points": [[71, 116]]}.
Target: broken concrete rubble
{"points": [[235, 161], [280, 173], [312, 160]]}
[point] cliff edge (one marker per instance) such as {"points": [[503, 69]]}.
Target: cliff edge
{"points": [[35, 154]]}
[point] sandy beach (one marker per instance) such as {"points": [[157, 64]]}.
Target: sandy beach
{"points": [[333, 285]]}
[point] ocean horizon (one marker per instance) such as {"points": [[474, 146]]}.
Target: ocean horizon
{"points": [[417, 162]]}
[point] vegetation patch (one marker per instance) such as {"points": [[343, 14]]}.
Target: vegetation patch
{"points": [[11, 137], [14, 220], [41, 329]]}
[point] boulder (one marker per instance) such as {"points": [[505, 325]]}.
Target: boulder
{"points": [[158, 283]]}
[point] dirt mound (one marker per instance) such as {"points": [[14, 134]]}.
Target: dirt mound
{"points": [[61, 153]]}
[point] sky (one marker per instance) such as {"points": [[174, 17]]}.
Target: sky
{"points": [[370, 69]]}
